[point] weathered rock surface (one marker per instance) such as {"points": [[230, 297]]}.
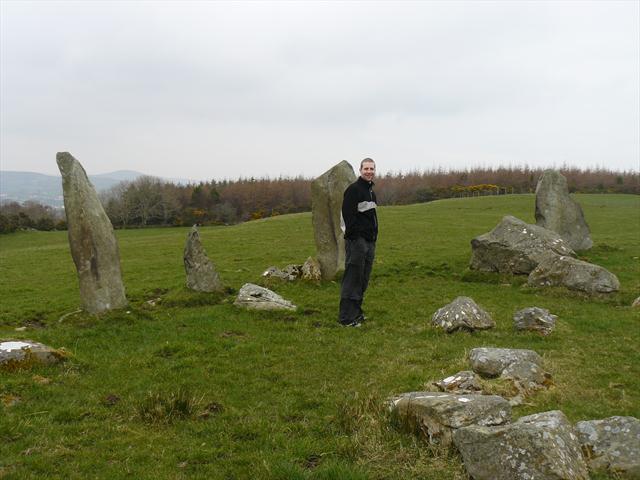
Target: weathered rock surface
{"points": [[542, 446], [574, 274], [612, 444], [326, 208], [526, 376], [289, 273], [311, 270], [516, 247], [201, 273], [260, 298], [491, 362], [93, 245], [535, 319], [557, 211], [636, 303], [23, 352], [463, 313], [434, 415], [461, 383]]}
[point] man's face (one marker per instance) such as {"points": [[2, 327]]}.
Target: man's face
{"points": [[368, 171]]}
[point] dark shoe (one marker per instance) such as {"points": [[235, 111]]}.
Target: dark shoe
{"points": [[354, 324]]}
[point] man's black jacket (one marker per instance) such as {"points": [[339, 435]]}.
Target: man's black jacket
{"points": [[359, 211]]}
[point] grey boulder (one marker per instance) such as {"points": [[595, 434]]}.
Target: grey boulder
{"points": [[435, 415], [636, 303], [327, 192], [526, 376], [289, 273], [461, 383], [201, 273], [515, 247], [612, 444], [462, 314], [311, 270], [574, 274], [543, 446], [93, 245], [557, 211], [535, 319], [491, 362], [256, 297], [23, 352]]}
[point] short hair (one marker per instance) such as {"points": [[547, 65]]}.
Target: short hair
{"points": [[367, 160]]}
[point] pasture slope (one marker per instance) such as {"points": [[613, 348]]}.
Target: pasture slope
{"points": [[194, 388]]}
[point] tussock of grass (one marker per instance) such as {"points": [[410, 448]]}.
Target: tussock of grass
{"points": [[168, 407]]}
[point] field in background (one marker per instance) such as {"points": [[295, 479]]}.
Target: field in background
{"points": [[195, 388]]}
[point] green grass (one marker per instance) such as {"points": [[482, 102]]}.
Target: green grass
{"points": [[196, 388]]}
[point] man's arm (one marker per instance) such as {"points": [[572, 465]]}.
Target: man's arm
{"points": [[349, 208]]}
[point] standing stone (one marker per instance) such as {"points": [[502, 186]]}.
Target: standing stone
{"points": [[201, 274], [557, 211], [535, 319], [542, 446], [327, 192], [91, 239]]}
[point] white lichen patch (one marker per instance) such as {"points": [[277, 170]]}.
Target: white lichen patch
{"points": [[10, 346]]}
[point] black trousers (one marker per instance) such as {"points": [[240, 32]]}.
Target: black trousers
{"points": [[359, 255]]}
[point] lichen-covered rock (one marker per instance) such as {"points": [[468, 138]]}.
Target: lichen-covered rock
{"points": [[311, 270], [435, 415], [259, 298], [91, 240], [201, 273], [535, 319], [515, 247], [289, 273], [327, 192], [636, 303], [574, 274], [526, 376], [557, 211], [19, 353], [612, 444], [461, 383], [491, 362], [543, 446], [463, 313]]}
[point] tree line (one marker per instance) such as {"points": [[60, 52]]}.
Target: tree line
{"points": [[150, 201]]}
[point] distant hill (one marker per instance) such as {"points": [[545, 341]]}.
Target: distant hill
{"points": [[47, 189]]}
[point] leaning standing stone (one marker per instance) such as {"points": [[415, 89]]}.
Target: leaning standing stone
{"points": [[463, 313], [535, 319], [259, 298], [327, 192], [612, 443], [557, 211], [201, 273], [19, 353], [435, 415], [93, 245], [574, 274], [542, 446]]}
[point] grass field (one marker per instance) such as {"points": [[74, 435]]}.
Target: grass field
{"points": [[196, 388]]}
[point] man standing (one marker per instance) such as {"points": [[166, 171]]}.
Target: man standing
{"points": [[360, 226]]}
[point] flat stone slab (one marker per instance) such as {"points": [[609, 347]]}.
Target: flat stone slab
{"points": [[461, 383], [259, 298], [462, 314], [612, 444], [491, 362], [535, 319], [435, 415], [543, 446], [574, 274], [22, 352]]}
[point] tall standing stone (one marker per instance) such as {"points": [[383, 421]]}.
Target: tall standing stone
{"points": [[327, 192], [557, 211], [91, 239], [201, 274]]}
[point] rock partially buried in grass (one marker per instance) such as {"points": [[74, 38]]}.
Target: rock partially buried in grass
{"points": [[460, 383], [24, 353], [491, 362], [541, 446], [434, 415], [462, 314], [612, 444], [574, 274], [259, 298], [535, 319], [636, 303]]}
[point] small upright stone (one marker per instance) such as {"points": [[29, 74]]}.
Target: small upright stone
{"points": [[311, 270], [201, 273], [91, 239], [327, 192], [256, 297], [463, 313], [535, 319], [557, 211]]}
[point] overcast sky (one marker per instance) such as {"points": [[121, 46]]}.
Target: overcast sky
{"points": [[218, 90]]}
